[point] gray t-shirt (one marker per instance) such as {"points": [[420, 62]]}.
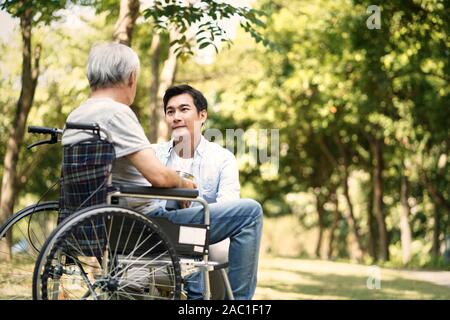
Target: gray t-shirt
{"points": [[126, 132]]}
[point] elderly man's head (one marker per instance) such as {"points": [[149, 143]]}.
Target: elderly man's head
{"points": [[113, 67]]}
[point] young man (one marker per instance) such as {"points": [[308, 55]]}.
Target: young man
{"points": [[214, 168], [112, 71]]}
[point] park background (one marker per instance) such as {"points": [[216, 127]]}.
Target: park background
{"points": [[361, 105]]}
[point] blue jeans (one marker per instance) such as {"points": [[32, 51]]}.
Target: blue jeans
{"points": [[239, 220]]}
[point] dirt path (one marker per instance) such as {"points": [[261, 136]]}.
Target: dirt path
{"points": [[290, 278], [441, 278]]}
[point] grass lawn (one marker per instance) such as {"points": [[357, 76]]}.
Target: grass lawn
{"points": [[292, 279], [18, 286], [298, 279]]}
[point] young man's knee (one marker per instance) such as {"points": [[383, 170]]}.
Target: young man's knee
{"points": [[253, 207]]}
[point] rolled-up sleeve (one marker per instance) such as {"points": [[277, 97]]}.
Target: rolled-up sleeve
{"points": [[127, 134], [229, 187]]}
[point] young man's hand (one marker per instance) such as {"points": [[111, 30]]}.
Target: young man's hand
{"points": [[184, 204], [187, 184]]}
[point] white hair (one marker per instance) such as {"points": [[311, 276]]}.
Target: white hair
{"points": [[110, 64]]}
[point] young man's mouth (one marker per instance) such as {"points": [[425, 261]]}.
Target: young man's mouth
{"points": [[180, 131]]}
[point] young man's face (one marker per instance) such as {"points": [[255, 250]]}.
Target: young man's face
{"points": [[182, 117]]}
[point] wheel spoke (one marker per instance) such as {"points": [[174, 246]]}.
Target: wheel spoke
{"points": [[125, 270]]}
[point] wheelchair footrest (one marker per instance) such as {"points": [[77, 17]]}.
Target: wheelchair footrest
{"points": [[189, 266]]}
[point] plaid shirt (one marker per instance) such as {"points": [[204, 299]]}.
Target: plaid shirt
{"points": [[84, 182]]}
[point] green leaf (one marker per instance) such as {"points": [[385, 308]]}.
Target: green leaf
{"points": [[204, 45]]}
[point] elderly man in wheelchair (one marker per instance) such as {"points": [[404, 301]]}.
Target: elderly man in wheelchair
{"points": [[113, 241]]}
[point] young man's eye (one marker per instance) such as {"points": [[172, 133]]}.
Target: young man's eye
{"points": [[185, 109]]}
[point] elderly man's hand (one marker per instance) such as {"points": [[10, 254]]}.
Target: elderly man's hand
{"points": [[188, 184]]}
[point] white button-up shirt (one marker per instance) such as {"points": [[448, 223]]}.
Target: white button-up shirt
{"points": [[214, 168]]}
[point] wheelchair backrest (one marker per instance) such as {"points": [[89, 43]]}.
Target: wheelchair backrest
{"points": [[85, 181], [86, 169]]}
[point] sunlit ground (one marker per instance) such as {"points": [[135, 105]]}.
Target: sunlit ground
{"points": [[16, 285], [292, 279], [298, 279]]}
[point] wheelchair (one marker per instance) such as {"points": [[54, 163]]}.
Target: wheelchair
{"points": [[102, 250]]}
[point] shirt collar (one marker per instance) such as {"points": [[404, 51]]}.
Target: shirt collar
{"points": [[200, 148]]}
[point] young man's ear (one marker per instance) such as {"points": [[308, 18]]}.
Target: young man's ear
{"points": [[203, 116]]}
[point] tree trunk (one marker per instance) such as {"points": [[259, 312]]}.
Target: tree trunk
{"points": [[350, 216], [373, 235], [436, 245], [161, 82], [123, 30], [439, 204], [154, 107], [434, 193], [320, 213], [336, 218], [378, 199], [405, 228], [16, 133]]}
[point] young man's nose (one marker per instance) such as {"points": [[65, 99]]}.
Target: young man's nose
{"points": [[176, 117]]}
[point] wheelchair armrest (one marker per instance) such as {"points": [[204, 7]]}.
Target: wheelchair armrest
{"points": [[171, 192]]}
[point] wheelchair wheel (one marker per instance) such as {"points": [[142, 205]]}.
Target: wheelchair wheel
{"points": [[107, 252], [21, 238]]}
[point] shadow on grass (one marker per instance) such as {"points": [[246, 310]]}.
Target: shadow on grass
{"points": [[312, 285]]}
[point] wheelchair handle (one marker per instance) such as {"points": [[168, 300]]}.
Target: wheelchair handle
{"points": [[89, 126], [82, 126], [54, 132], [44, 130]]}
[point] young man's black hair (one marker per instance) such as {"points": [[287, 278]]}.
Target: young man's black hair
{"points": [[199, 99]]}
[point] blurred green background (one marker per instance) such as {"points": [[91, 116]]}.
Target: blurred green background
{"points": [[363, 113]]}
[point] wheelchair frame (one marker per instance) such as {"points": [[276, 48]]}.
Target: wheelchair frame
{"points": [[190, 265]]}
